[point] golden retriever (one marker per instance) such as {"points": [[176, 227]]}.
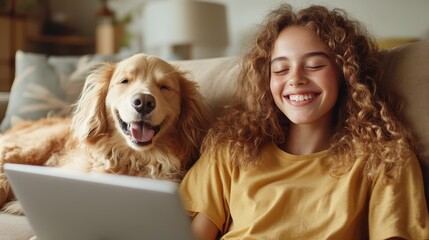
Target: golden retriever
{"points": [[140, 117]]}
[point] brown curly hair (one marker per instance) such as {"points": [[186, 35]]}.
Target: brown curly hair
{"points": [[364, 126]]}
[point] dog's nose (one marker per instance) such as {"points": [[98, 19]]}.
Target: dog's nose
{"points": [[143, 103]]}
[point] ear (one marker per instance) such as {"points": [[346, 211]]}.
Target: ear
{"points": [[89, 119], [195, 119]]}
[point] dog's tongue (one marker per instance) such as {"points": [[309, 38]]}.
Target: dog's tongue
{"points": [[141, 132]]}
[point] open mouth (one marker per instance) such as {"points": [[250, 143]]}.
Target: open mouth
{"points": [[141, 133], [302, 97]]}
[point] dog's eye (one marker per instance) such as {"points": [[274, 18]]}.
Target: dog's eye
{"points": [[163, 87], [124, 81]]}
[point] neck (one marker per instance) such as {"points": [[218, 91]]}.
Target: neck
{"points": [[304, 139]]}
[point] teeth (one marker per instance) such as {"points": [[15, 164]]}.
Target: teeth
{"points": [[300, 98]]}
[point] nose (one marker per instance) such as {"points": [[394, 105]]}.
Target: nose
{"points": [[143, 103], [296, 77]]}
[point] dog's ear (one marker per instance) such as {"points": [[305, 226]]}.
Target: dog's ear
{"points": [[195, 118], [89, 119]]}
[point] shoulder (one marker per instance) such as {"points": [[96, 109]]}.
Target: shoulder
{"points": [[411, 168], [215, 158], [408, 174]]}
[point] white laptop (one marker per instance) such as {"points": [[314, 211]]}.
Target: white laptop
{"points": [[66, 205]]}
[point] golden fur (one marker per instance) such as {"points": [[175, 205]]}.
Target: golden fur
{"points": [[111, 131]]}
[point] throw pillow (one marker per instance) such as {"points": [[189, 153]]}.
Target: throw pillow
{"points": [[47, 86]]}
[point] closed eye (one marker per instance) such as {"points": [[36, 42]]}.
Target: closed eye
{"points": [[124, 81], [164, 87], [281, 71], [315, 67]]}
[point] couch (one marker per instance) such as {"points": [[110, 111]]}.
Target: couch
{"points": [[406, 78]]}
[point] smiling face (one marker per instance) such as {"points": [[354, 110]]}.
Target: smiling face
{"points": [[304, 81], [144, 99]]}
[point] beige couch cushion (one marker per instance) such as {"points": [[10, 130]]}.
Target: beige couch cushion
{"points": [[407, 77], [216, 78], [14, 227]]}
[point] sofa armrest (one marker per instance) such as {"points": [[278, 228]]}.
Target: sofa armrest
{"points": [[4, 100]]}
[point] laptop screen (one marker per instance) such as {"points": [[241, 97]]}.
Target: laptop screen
{"points": [[60, 204]]}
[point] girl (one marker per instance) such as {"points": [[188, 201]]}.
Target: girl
{"points": [[311, 149]]}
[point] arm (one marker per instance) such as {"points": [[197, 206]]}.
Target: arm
{"points": [[204, 228]]}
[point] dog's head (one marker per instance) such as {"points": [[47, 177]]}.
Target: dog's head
{"points": [[145, 104]]}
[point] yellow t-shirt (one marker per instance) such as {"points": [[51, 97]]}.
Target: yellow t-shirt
{"points": [[294, 197]]}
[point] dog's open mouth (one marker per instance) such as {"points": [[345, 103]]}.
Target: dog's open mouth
{"points": [[140, 132]]}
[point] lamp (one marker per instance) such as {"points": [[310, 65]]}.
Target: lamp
{"points": [[176, 28]]}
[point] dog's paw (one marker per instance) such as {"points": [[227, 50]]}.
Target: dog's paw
{"points": [[9, 153], [33, 238], [13, 207]]}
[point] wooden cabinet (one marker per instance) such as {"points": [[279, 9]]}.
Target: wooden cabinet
{"points": [[59, 44], [21, 33], [12, 38]]}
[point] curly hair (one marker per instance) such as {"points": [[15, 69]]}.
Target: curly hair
{"points": [[364, 125]]}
